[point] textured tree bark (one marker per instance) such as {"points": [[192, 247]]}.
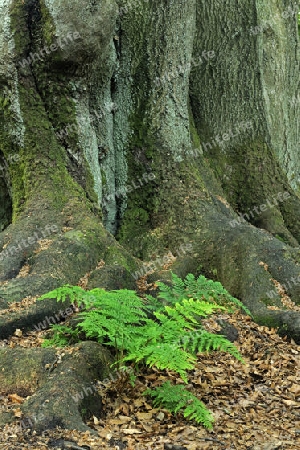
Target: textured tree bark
{"points": [[129, 130], [195, 198], [55, 400]]}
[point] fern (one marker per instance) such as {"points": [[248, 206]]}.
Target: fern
{"points": [[156, 344], [189, 309], [177, 398], [62, 336], [73, 293], [61, 293], [113, 317], [173, 293], [169, 340], [200, 288], [164, 356], [203, 341]]}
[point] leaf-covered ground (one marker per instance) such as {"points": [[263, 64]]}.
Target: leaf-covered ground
{"points": [[256, 405]]}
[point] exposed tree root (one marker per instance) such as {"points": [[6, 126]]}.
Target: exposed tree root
{"points": [[60, 383]]}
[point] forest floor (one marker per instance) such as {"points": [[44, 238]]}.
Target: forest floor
{"points": [[256, 405]]}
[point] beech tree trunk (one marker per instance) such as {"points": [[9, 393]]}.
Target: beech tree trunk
{"points": [[129, 130]]}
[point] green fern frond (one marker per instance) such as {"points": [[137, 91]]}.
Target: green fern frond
{"points": [[200, 288], [171, 328], [74, 293], [123, 305], [152, 333], [177, 398], [171, 314], [113, 316], [153, 304], [62, 336], [96, 325], [191, 308], [213, 291], [172, 293], [108, 331], [126, 299], [185, 315], [164, 356], [178, 285], [190, 283], [203, 341], [169, 356]]}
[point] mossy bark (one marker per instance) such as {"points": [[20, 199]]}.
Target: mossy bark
{"points": [[195, 199], [111, 112], [61, 388], [52, 178]]}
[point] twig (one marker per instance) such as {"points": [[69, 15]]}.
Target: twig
{"points": [[213, 440]]}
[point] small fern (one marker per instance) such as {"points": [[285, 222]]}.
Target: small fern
{"points": [[164, 356], [169, 340], [203, 341], [200, 288], [190, 309], [62, 336], [155, 344], [176, 398], [74, 293]]}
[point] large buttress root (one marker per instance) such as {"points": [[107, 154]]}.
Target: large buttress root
{"points": [[61, 385]]}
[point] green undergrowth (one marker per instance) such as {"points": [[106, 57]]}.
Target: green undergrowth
{"points": [[163, 332]]}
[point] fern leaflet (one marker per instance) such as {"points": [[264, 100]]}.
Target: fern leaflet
{"points": [[177, 398]]}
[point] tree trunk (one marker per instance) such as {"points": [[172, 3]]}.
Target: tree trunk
{"points": [[130, 130]]}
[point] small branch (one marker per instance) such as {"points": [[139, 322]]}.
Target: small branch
{"points": [[212, 440]]}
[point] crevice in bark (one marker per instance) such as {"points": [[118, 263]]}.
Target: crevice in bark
{"points": [[34, 18], [5, 196], [119, 199]]}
